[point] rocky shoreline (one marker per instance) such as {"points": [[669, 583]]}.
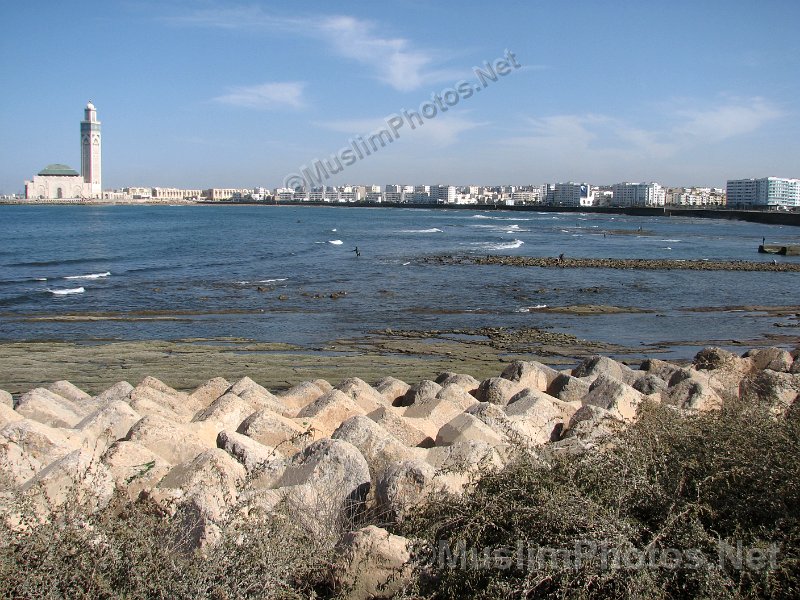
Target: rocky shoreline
{"points": [[235, 452], [645, 264]]}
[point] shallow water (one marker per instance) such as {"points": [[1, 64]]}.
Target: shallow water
{"points": [[204, 264]]}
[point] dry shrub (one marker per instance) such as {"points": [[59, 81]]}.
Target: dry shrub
{"points": [[669, 481]]}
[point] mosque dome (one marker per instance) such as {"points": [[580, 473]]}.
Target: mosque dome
{"points": [[58, 170]]}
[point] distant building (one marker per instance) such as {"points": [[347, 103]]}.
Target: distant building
{"points": [[638, 194], [59, 181], [573, 194], [696, 196], [443, 194], [767, 191], [217, 194]]}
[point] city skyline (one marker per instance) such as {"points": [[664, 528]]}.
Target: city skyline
{"points": [[205, 94]]}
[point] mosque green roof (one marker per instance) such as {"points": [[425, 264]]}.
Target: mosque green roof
{"points": [[57, 169]]}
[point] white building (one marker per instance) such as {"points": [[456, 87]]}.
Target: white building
{"points": [[59, 181], [573, 194], [696, 196], [638, 194], [767, 191]]}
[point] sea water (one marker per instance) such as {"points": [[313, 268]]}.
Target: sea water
{"points": [[267, 273]]}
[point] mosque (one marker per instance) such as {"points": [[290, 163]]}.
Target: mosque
{"points": [[60, 181]]}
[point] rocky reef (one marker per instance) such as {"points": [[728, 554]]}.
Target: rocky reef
{"points": [[235, 452]]}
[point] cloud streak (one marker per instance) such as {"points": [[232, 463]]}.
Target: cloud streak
{"points": [[265, 96], [391, 60]]}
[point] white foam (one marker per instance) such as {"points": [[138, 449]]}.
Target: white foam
{"points": [[502, 246], [432, 230], [89, 276], [273, 280], [78, 290], [667, 248], [40, 278], [406, 263], [336, 242], [500, 218], [527, 309], [333, 230], [671, 241]]}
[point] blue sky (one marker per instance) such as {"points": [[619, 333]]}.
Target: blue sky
{"points": [[202, 93]]}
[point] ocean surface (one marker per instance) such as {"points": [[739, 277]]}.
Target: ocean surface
{"points": [[179, 272]]}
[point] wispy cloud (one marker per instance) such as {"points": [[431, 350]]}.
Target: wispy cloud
{"points": [[391, 60], [444, 130], [266, 95], [736, 117]]}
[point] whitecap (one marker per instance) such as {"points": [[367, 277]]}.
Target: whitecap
{"points": [[273, 280], [406, 263], [432, 230], [333, 230], [336, 242], [502, 246], [667, 248], [527, 309], [40, 278], [89, 276], [671, 241], [66, 292]]}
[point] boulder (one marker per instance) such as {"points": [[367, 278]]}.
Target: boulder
{"points": [[259, 397], [134, 468], [8, 415], [254, 457], [378, 447], [650, 384], [335, 471], [533, 375], [420, 393], [402, 428], [538, 418], [497, 390], [774, 359], [592, 425], [612, 394], [226, 412], [322, 384], [466, 382], [466, 427], [391, 389], [659, 368], [300, 396], [79, 478], [153, 398], [362, 394], [275, 431], [48, 408], [778, 391], [109, 423], [6, 399], [569, 388], [173, 442], [69, 391], [464, 458], [209, 480], [40, 442], [725, 367], [372, 563], [329, 411], [404, 487], [431, 412], [119, 391], [694, 394], [594, 366], [456, 395], [212, 389], [16, 464]]}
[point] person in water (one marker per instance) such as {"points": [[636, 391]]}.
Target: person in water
{"points": [[358, 253]]}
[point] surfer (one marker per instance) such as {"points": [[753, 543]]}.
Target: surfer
{"points": [[358, 253]]}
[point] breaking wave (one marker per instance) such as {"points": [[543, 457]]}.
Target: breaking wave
{"points": [[67, 292], [89, 276]]}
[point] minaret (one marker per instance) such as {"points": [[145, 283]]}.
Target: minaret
{"points": [[90, 151]]}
